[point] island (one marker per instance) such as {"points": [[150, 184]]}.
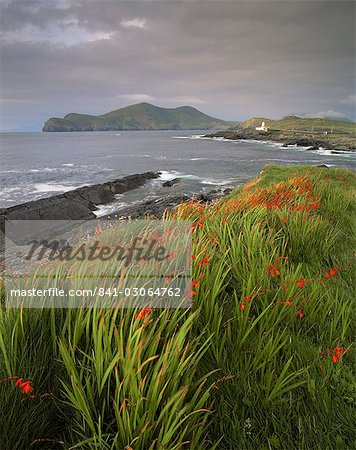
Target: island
{"points": [[142, 116]]}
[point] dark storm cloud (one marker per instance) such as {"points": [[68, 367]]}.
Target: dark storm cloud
{"points": [[230, 59]]}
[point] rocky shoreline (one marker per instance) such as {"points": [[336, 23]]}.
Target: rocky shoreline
{"points": [[80, 204], [77, 204], [157, 207], [331, 142]]}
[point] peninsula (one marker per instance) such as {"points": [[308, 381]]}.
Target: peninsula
{"points": [[332, 134]]}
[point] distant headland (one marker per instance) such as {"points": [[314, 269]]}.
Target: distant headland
{"points": [[332, 134], [142, 116]]}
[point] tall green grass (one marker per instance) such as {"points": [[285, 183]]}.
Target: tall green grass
{"points": [[248, 367]]}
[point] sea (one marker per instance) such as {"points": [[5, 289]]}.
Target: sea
{"points": [[39, 165]]}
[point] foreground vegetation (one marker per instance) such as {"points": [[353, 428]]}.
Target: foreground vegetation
{"points": [[263, 360]]}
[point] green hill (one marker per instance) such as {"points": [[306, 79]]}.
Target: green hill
{"points": [[142, 116], [294, 123]]}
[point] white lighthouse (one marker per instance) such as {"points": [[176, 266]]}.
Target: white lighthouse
{"points": [[262, 127]]}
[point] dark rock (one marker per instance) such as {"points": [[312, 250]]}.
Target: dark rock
{"points": [[323, 166], [314, 147], [156, 207], [171, 183], [78, 204]]}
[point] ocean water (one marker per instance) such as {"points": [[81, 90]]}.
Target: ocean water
{"points": [[38, 165]]}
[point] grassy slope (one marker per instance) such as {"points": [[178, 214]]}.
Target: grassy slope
{"points": [[293, 123], [144, 383]]}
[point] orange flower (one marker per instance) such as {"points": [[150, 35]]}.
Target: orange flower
{"points": [[301, 283], [272, 271], [337, 354], [203, 261], [143, 313], [20, 383], [27, 388]]}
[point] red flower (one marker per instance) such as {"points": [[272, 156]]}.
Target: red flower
{"points": [[143, 313], [288, 303], [204, 260], [247, 299], [327, 276], [301, 283], [300, 314], [337, 354], [27, 388], [242, 307], [272, 271], [195, 283], [20, 383], [333, 272]]}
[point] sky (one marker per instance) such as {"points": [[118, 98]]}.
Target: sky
{"points": [[230, 59]]}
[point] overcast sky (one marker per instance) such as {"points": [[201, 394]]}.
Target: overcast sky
{"points": [[232, 60]]}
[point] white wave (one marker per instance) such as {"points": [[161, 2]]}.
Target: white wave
{"points": [[103, 210], [168, 175], [10, 171], [45, 169], [47, 187], [145, 155], [68, 165], [217, 182], [8, 190], [117, 134], [194, 136], [325, 152]]}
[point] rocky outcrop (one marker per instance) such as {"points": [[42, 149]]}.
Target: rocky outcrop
{"points": [[78, 204], [155, 208], [171, 183], [332, 142]]}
